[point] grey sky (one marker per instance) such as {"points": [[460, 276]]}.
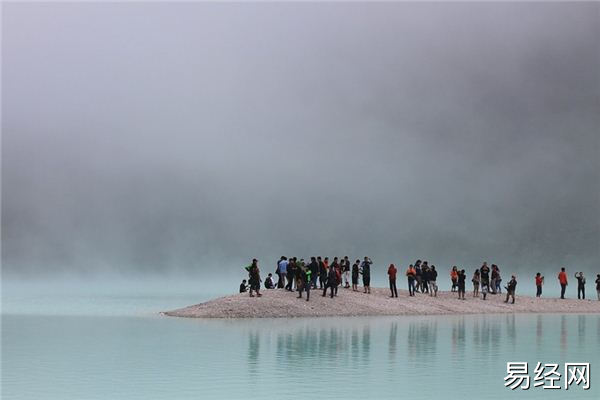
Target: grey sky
{"points": [[180, 137]]}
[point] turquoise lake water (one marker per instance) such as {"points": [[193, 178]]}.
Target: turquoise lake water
{"points": [[107, 342]]}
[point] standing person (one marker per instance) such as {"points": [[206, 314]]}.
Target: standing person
{"points": [[254, 275], [410, 275], [498, 280], [322, 272], [493, 279], [305, 278], [282, 268], [461, 284], [511, 289], [580, 285], [331, 282], [291, 274], [418, 275], [598, 285], [346, 272], [425, 278], [433, 287], [336, 267], [314, 272], [300, 266], [485, 278], [392, 275], [366, 273], [454, 278], [338, 276], [539, 281], [562, 279], [476, 279], [355, 273]]}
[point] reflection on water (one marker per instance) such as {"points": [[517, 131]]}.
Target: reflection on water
{"points": [[157, 358]]}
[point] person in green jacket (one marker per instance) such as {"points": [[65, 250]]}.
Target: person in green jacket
{"points": [[305, 282]]}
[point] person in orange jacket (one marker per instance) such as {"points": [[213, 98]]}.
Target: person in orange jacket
{"points": [[411, 273], [562, 278], [454, 278]]}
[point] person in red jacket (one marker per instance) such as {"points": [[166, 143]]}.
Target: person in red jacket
{"points": [[562, 278], [539, 281], [392, 275]]}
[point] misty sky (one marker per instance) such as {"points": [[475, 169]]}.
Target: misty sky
{"points": [[194, 137]]}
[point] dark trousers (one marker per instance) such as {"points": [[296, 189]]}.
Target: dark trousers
{"points": [[327, 286], [290, 278], [539, 291], [424, 286], [581, 292], [313, 281], [322, 280], [510, 293], [411, 287], [563, 288], [393, 288], [307, 288]]}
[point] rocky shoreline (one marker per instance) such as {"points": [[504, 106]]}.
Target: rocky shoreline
{"points": [[279, 303]]}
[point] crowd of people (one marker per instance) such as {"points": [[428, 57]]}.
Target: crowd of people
{"points": [[319, 273]]}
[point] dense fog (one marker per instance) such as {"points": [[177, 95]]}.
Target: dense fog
{"points": [[190, 138]]}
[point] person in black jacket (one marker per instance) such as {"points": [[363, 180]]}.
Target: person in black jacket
{"points": [[433, 288], [355, 273], [425, 273], [314, 272], [322, 273], [331, 282], [291, 274], [346, 272], [580, 285], [461, 284], [511, 289], [243, 286], [365, 268]]}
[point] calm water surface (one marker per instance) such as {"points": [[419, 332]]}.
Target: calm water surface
{"points": [[64, 352]]}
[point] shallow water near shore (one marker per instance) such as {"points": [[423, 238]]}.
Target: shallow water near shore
{"points": [[136, 354]]}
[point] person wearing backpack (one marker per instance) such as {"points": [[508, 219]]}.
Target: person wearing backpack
{"points": [[511, 289], [254, 278]]}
